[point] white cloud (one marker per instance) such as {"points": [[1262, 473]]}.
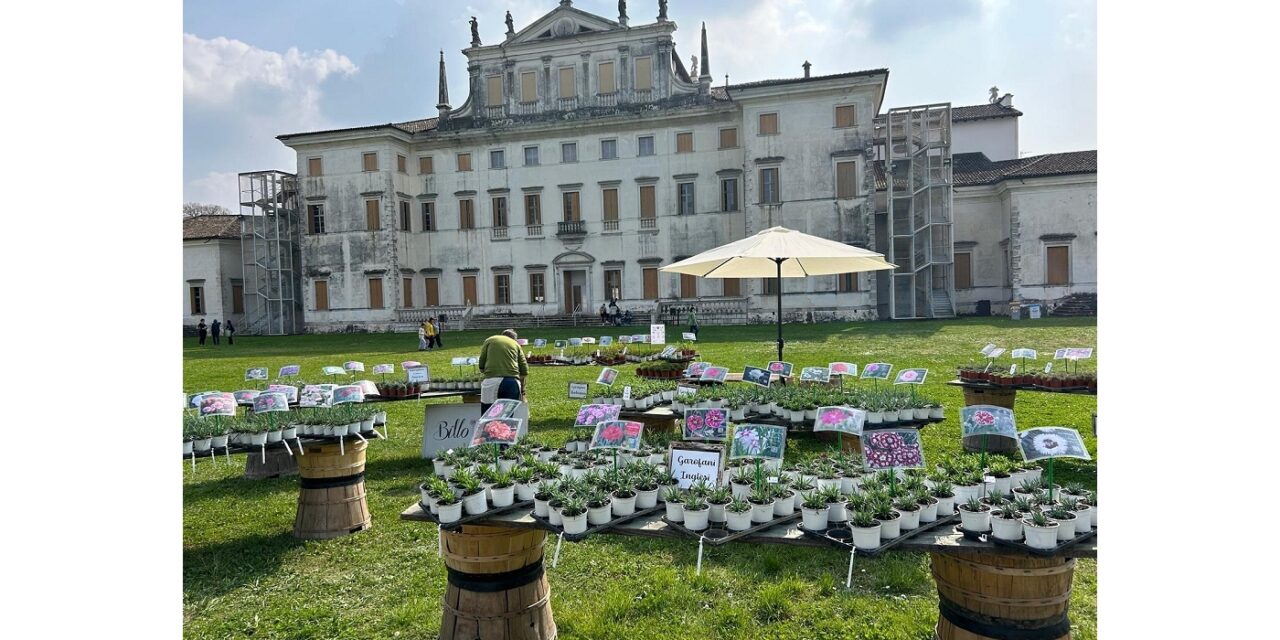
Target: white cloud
{"points": [[216, 187]]}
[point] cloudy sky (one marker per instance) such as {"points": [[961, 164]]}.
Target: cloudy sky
{"points": [[253, 70]]}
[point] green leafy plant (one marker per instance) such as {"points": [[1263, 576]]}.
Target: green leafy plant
{"points": [[695, 503], [863, 519], [814, 500], [974, 505], [673, 495], [738, 506]]}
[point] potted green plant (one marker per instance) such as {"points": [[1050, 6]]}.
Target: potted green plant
{"points": [[542, 498], [865, 528], [449, 509], [1006, 522], [828, 476], [1041, 530], [815, 513], [890, 520], [1066, 519], [473, 494], [526, 483], [599, 507], [784, 501], [738, 515], [946, 497], [803, 486], [696, 511], [910, 511], [835, 505], [761, 505], [674, 500], [1000, 469], [718, 498], [742, 482], [975, 516], [502, 491], [646, 486], [624, 501], [928, 505], [573, 514]]}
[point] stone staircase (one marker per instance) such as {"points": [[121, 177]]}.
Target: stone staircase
{"points": [[1077, 304]]}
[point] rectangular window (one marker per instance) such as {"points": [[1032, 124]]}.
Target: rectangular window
{"points": [[315, 218], [729, 194], [401, 164], [497, 159], [314, 167], [502, 288], [532, 208], [569, 152], [847, 282], [685, 204], [466, 214], [964, 270], [769, 191], [370, 161], [426, 165], [371, 221], [375, 293], [567, 90], [613, 284], [650, 283], [1057, 265], [645, 146], [407, 285], [608, 82], [237, 298], [493, 91], [729, 138], [769, 286], [644, 73], [732, 287], [433, 291], [648, 203], [608, 149], [404, 217], [688, 286], [572, 207], [530, 156], [321, 288], [768, 124], [428, 216], [197, 300], [537, 287], [610, 204], [528, 86], [464, 162], [846, 179], [684, 142], [469, 290], [846, 116], [500, 211]]}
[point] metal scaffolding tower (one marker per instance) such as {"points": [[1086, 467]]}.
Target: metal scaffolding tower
{"points": [[916, 234], [269, 244]]}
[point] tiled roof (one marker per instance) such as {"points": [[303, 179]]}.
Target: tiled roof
{"points": [[769, 83], [210, 227], [982, 112], [412, 126], [968, 169]]}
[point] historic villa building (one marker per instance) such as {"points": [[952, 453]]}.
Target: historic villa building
{"points": [[587, 155]]}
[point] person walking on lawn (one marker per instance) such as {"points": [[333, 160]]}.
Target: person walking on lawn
{"points": [[437, 330], [422, 337], [215, 330], [202, 330], [503, 365], [430, 328], [231, 332]]}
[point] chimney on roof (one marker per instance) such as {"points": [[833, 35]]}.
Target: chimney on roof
{"points": [[806, 66], [1006, 100]]}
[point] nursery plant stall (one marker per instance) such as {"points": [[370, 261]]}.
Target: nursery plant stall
{"points": [[1001, 389]]}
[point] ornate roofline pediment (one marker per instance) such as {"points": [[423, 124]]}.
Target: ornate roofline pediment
{"points": [[562, 22]]}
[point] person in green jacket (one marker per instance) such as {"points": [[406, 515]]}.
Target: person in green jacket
{"points": [[693, 322], [504, 367]]}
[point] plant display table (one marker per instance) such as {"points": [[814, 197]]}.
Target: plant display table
{"points": [[976, 393]]}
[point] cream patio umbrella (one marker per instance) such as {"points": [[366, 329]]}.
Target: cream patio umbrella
{"points": [[779, 252]]}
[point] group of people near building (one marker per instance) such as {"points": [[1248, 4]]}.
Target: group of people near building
{"points": [[216, 330], [429, 334], [611, 315]]}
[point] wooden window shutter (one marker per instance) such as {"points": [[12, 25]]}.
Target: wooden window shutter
{"points": [[371, 215], [732, 287], [846, 179], [426, 165], [608, 83], [314, 167], [1058, 265], [567, 90], [464, 162], [322, 295], [375, 293], [469, 290], [433, 292], [684, 142], [688, 286], [644, 73], [400, 164], [768, 124], [650, 283], [964, 270], [493, 91], [729, 138], [610, 204], [237, 298], [647, 204], [845, 116], [529, 86], [370, 162], [407, 283]]}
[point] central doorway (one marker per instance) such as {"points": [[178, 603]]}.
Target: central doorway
{"points": [[575, 282]]}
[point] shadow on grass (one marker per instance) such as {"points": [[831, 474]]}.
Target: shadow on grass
{"points": [[216, 569], [240, 487]]}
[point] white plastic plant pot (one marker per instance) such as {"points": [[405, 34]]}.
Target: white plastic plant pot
{"points": [[505, 465], [785, 506], [357, 427], [187, 447], [875, 417], [696, 520], [1067, 527], [657, 458], [965, 491], [675, 511], [629, 403], [740, 491], [598, 399], [836, 511], [450, 512], [366, 425], [1093, 515], [203, 444], [380, 418], [979, 521], [439, 466], [623, 506], [1034, 474], [814, 519], [503, 496], [540, 508], [738, 521], [738, 413], [761, 513], [258, 439], [1016, 478], [826, 483], [554, 516], [910, 520], [525, 492], [290, 433], [218, 442], [847, 485], [574, 524], [545, 456], [1006, 528], [433, 505], [797, 415], [668, 395], [475, 503], [810, 414], [892, 527], [866, 537], [935, 413], [1040, 537], [600, 515], [447, 470], [422, 492], [275, 435], [1003, 486], [920, 413], [646, 499], [717, 513], [906, 415], [929, 512]]}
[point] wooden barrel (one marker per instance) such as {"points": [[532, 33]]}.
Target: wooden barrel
{"points": [[331, 500], [279, 463], [1002, 597], [497, 586], [997, 398]]}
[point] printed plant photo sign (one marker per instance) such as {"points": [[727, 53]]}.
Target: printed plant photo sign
{"points": [[691, 337], [590, 415], [892, 449], [457, 362], [503, 408], [781, 368], [217, 404], [758, 441], [986, 351], [575, 342], [384, 368], [911, 376], [843, 369], [290, 392], [524, 342], [642, 338], [255, 373], [409, 364], [496, 431], [560, 344], [606, 341], [607, 376], [877, 370], [706, 424], [348, 394], [289, 370], [617, 434], [695, 369], [624, 339], [420, 373], [246, 396], [538, 343], [1029, 354], [352, 365], [1060, 354], [996, 353], [578, 390], [842, 419], [815, 374], [314, 395], [757, 376], [985, 419], [367, 387], [333, 371], [270, 402], [1080, 354], [714, 374], [1052, 442], [473, 360], [667, 352], [588, 340]]}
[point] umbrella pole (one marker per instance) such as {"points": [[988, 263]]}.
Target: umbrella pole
{"points": [[778, 261]]}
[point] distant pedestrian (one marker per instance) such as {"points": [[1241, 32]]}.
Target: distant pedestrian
{"points": [[422, 339], [215, 330], [438, 328], [693, 322], [202, 330], [604, 314], [231, 332]]}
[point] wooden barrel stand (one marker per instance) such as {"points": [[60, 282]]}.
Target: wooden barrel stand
{"points": [[331, 500], [279, 463], [1002, 597], [997, 398], [497, 587]]}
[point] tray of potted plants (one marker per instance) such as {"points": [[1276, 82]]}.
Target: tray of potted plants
{"points": [[478, 483], [878, 513], [1057, 382], [765, 505], [248, 431], [598, 499], [1039, 524]]}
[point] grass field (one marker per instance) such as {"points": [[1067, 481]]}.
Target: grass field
{"points": [[244, 575]]}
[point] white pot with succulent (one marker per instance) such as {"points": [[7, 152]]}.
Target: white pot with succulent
{"points": [[449, 509], [865, 528], [573, 515], [975, 516], [599, 510], [1006, 523], [1040, 530], [696, 512], [674, 500], [738, 515]]}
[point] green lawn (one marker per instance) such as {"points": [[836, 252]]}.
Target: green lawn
{"points": [[244, 575]]}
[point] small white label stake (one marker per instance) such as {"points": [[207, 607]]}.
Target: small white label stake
{"points": [[287, 447], [700, 539], [848, 579], [555, 561]]}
